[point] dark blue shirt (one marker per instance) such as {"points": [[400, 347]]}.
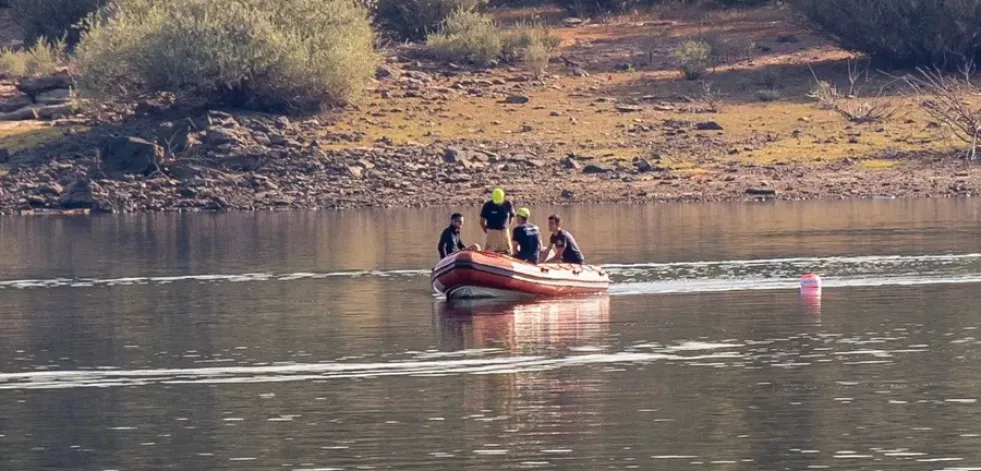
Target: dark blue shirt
{"points": [[572, 254], [529, 239], [497, 215], [449, 242]]}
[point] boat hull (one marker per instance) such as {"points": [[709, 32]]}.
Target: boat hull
{"points": [[471, 274]]}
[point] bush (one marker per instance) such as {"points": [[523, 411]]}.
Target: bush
{"points": [[44, 58], [52, 18], [415, 19], [900, 33], [467, 37], [693, 58], [768, 95], [533, 46], [269, 54]]}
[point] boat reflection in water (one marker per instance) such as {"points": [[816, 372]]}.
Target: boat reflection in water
{"points": [[523, 326]]}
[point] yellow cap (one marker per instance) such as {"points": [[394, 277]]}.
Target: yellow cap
{"points": [[497, 196], [524, 212]]}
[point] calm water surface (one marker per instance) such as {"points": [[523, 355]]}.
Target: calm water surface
{"points": [[312, 341]]}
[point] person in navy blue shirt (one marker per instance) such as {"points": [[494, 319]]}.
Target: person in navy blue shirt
{"points": [[527, 238], [566, 249]]}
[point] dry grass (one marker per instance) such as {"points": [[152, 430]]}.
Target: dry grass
{"points": [[17, 136]]}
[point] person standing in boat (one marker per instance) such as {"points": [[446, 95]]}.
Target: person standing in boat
{"points": [[450, 241], [495, 219], [566, 249], [527, 239]]}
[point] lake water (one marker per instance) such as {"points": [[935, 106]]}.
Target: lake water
{"points": [[312, 340]]}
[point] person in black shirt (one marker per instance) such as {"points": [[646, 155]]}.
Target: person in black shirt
{"points": [[527, 238], [566, 249], [495, 219], [449, 240]]}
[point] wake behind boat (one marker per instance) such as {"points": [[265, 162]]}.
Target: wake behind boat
{"points": [[471, 274]]}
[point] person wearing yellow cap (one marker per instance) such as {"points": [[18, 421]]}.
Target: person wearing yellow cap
{"points": [[527, 238], [495, 219]]}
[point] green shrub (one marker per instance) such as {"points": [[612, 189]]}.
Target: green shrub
{"points": [[52, 18], [901, 33], [768, 94], [467, 37], [416, 19], [533, 46], [268, 54], [44, 58], [693, 58]]}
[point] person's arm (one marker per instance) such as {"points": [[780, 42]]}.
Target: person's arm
{"points": [[443, 250], [540, 255], [460, 245], [515, 245], [483, 218]]}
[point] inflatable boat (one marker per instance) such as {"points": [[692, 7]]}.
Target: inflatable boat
{"points": [[473, 275]]}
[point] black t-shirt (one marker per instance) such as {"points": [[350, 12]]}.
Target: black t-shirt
{"points": [[572, 254], [497, 215], [529, 239], [449, 242]]}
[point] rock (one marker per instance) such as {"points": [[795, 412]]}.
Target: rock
{"points": [[452, 155], [571, 163], [516, 100], [458, 178], [54, 97], [555, 113], [278, 140], [536, 163], [36, 86], [571, 22], [643, 165], [36, 200], [416, 75], [4, 155], [787, 39], [15, 103], [51, 189], [283, 123], [623, 108], [761, 191], [130, 155], [625, 67], [594, 169], [183, 171], [218, 135], [261, 138], [527, 128], [78, 195], [708, 126], [354, 171], [384, 72], [567, 194]]}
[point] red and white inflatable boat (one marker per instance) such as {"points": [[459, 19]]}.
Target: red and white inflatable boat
{"points": [[470, 274]]}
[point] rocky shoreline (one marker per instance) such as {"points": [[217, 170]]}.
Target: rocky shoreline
{"points": [[132, 174], [152, 156]]}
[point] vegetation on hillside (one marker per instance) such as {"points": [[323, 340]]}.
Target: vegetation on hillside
{"points": [[299, 54], [415, 19], [901, 33], [52, 19]]}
